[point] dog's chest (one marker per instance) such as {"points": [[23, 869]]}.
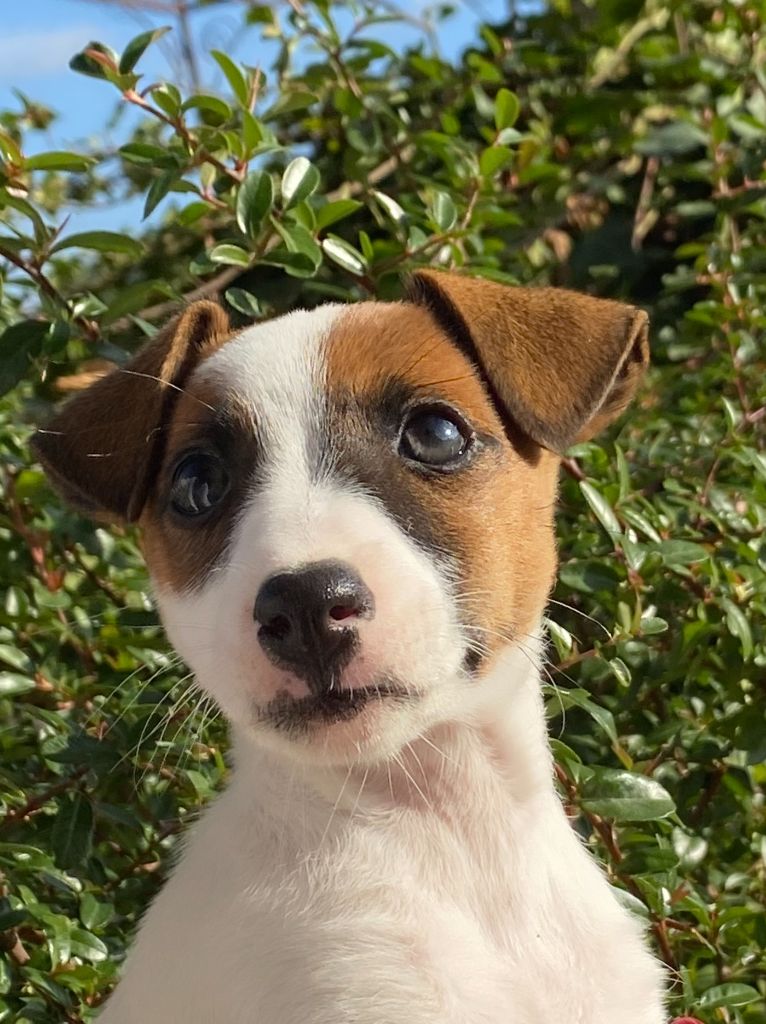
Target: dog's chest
{"points": [[382, 926], [397, 918]]}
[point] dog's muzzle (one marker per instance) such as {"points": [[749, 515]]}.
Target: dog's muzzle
{"points": [[308, 621]]}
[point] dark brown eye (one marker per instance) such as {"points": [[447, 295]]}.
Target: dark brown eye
{"points": [[200, 482], [435, 437]]}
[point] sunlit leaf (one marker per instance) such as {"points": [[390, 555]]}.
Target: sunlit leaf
{"points": [[137, 47], [299, 181]]}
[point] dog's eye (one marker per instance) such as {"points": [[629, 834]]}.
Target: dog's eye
{"points": [[200, 482], [435, 437]]}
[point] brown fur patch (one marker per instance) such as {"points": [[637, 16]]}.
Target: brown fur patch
{"points": [[102, 448], [493, 519], [561, 364]]}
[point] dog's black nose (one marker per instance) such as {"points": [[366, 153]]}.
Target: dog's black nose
{"points": [[308, 620]]}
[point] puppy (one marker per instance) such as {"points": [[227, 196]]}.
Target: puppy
{"points": [[347, 514]]}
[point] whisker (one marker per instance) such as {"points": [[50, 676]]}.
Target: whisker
{"points": [[167, 383], [571, 608], [336, 804]]}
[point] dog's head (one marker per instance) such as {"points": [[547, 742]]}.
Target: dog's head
{"points": [[348, 512]]}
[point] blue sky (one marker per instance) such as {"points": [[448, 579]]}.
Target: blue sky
{"points": [[39, 37]]}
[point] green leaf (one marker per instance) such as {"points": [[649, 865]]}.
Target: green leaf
{"points": [[158, 189], [72, 834], [234, 76], [87, 946], [84, 64], [300, 180], [652, 624], [13, 684], [137, 46], [333, 212], [193, 212], [443, 211], [57, 161], [216, 110], [681, 552], [632, 904], [168, 99], [10, 151], [232, 255], [243, 301], [670, 140], [93, 914], [625, 796], [345, 255], [507, 107], [493, 159], [620, 671], [390, 206], [41, 229], [299, 240], [143, 153], [255, 199], [101, 241], [563, 699], [20, 344], [739, 627], [601, 509], [589, 576], [730, 995], [690, 849], [16, 658], [134, 297]]}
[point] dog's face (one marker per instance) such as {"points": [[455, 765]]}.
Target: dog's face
{"points": [[348, 513]]}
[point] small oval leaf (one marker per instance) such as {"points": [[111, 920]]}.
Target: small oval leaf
{"points": [[300, 180], [72, 834], [232, 255], [137, 46], [507, 109], [254, 201], [101, 241], [344, 255], [625, 796]]}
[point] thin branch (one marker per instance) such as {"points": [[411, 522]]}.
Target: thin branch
{"points": [[653, 22], [36, 803], [645, 217], [48, 288]]}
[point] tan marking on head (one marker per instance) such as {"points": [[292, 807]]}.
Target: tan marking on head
{"points": [[561, 364], [102, 448], [495, 516]]}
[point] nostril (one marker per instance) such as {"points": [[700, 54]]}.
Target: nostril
{"points": [[339, 612]]}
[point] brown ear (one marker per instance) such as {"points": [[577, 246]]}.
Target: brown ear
{"points": [[102, 448], [559, 365]]}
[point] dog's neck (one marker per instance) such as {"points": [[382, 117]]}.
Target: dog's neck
{"points": [[456, 771]]}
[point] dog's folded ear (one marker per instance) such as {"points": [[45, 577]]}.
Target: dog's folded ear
{"points": [[102, 449], [559, 365]]}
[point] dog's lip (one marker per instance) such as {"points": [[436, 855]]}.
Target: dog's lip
{"points": [[331, 705]]}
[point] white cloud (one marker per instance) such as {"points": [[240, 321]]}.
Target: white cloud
{"points": [[28, 54]]}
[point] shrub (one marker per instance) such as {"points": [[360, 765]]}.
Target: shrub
{"points": [[617, 147]]}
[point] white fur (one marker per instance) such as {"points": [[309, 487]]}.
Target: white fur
{"points": [[411, 865]]}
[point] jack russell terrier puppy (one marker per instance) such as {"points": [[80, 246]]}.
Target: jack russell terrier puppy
{"points": [[347, 514]]}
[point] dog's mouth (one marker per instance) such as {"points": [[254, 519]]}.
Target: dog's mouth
{"points": [[331, 706]]}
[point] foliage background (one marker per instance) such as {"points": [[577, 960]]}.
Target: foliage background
{"points": [[615, 146]]}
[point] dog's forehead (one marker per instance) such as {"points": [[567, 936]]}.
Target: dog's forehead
{"points": [[290, 366]]}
